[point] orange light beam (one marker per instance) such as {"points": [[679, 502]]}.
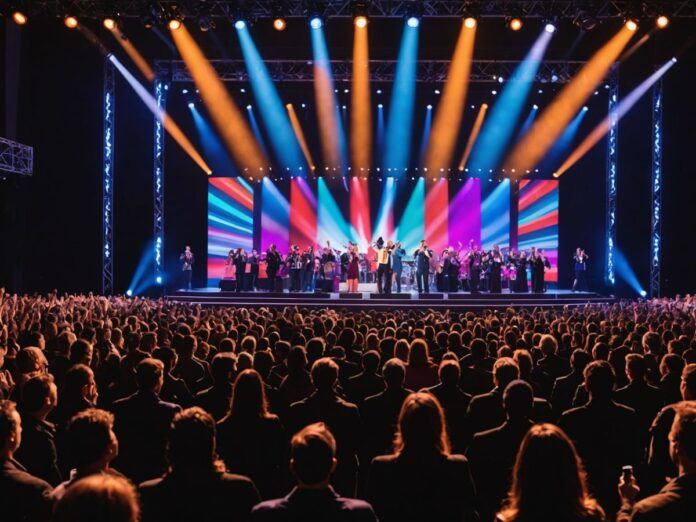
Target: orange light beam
{"points": [[168, 123], [474, 134], [613, 118], [228, 119], [549, 126], [361, 115], [448, 118], [300, 135], [134, 54]]}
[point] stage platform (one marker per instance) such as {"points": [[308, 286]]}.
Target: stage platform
{"points": [[403, 301]]}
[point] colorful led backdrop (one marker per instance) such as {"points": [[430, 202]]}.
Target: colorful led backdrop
{"points": [[537, 223]]}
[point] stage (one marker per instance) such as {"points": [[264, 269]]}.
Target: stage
{"points": [[403, 301]]}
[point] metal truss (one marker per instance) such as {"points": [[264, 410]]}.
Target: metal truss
{"points": [[161, 89], [259, 9], [611, 179], [108, 178], [656, 191], [429, 71], [16, 158]]}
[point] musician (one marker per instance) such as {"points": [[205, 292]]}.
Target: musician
{"points": [[384, 265], [328, 256], [541, 264], [453, 265], [532, 261], [345, 258], [294, 262], [187, 266], [273, 261], [521, 272], [422, 256], [240, 260], [253, 261], [353, 269], [580, 259], [229, 265], [398, 265], [495, 263], [308, 273], [475, 263]]}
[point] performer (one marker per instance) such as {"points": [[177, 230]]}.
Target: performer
{"points": [[580, 259], [294, 262], [353, 270], [495, 262], [308, 274], [422, 256], [398, 265], [521, 273], [229, 265], [273, 261], [328, 262], [384, 265], [532, 261], [253, 260], [240, 260], [187, 266], [475, 261], [453, 270], [542, 265]]}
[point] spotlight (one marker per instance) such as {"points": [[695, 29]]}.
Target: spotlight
{"points": [[584, 20], [129, 292], [550, 28], [174, 24], [535, 107], [191, 105], [360, 21], [184, 91], [515, 24], [303, 105], [379, 91], [109, 23], [279, 24], [205, 23], [631, 25], [316, 22], [643, 293], [554, 78], [585, 108], [429, 107], [379, 106], [662, 21], [240, 24], [158, 280], [70, 22], [413, 21], [437, 91], [501, 79], [19, 18], [494, 92], [470, 22], [249, 107]]}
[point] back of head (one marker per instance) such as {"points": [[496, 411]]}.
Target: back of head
{"points": [[149, 374], [524, 362], [248, 396], [449, 372], [30, 359], [313, 452], [683, 434], [223, 366], [36, 392], [478, 348], [192, 441], [635, 366], [419, 354], [599, 379], [394, 373], [90, 437], [421, 427], [548, 481], [324, 374], [76, 378], [579, 359], [505, 370], [102, 497], [518, 400], [548, 345], [370, 361], [688, 382]]}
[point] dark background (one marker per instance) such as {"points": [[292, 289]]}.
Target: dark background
{"points": [[51, 223]]}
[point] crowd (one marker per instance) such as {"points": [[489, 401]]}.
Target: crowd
{"points": [[119, 410]]}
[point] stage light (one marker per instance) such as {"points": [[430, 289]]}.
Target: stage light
{"points": [[109, 23], [643, 293], [240, 24], [191, 105], [429, 107], [379, 91], [174, 24], [550, 28], [279, 24], [248, 107], [413, 21], [19, 18], [501, 79], [535, 107], [515, 24], [316, 23], [470, 22], [554, 78], [437, 91], [585, 108], [158, 280], [70, 22], [184, 91], [129, 292], [360, 21], [662, 21], [631, 25], [494, 92], [379, 106], [303, 105]]}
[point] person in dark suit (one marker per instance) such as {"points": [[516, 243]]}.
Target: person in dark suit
{"points": [[23, 497], [367, 383], [604, 434], [142, 424], [174, 389], [645, 399], [453, 401], [341, 417], [676, 501], [240, 262], [99, 497], [564, 388], [216, 399], [551, 363], [251, 440], [421, 479], [380, 412], [79, 392], [38, 452], [492, 452], [273, 261], [486, 410], [196, 487], [476, 375], [313, 460], [194, 371], [422, 256]]}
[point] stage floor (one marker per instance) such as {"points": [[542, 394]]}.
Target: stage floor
{"points": [[406, 300]]}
